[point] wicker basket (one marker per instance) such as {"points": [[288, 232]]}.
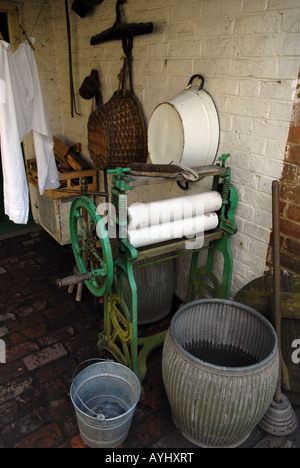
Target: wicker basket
{"points": [[116, 132]]}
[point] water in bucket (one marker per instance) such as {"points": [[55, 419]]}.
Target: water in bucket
{"points": [[109, 407], [105, 396]]}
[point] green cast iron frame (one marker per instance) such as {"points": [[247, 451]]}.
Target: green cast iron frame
{"points": [[104, 271]]}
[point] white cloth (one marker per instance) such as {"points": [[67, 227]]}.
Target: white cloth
{"points": [[22, 109]]}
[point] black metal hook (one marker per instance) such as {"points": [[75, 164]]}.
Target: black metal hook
{"points": [[183, 187]]}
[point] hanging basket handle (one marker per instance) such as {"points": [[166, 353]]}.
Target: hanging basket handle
{"points": [[201, 77]]}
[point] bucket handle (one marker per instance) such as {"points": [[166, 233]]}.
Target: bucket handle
{"points": [[89, 360], [201, 77], [100, 416]]}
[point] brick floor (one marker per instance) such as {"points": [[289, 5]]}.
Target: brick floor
{"points": [[46, 335]]}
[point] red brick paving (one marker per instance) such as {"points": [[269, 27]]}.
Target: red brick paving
{"points": [[47, 334]]}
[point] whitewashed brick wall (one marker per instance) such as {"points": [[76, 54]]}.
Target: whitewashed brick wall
{"points": [[248, 51]]}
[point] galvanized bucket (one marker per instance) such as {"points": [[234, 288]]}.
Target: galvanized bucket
{"points": [[220, 369], [104, 395]]}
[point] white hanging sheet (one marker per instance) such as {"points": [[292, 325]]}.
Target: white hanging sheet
{"points": [[22, 109]]}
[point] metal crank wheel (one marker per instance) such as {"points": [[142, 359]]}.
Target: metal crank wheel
{"points": [[91, 246]]}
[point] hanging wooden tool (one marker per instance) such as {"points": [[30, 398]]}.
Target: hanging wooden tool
{"points": [[280, 418], [121, 30], [90, 87], [72, 92]]}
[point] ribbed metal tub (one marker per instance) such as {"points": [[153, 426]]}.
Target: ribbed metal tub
{"points": [[220, 367], [155, 288]]}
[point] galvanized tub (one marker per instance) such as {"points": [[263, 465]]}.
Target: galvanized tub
{"points": [[155, 288], [220, 367], [104, 396]]}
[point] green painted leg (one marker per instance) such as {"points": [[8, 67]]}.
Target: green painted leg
{"points": [[133, 318], [148, 344], [224, 248], [203, 282]]}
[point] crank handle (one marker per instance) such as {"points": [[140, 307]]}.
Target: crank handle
{"points": [[74, 279]]}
